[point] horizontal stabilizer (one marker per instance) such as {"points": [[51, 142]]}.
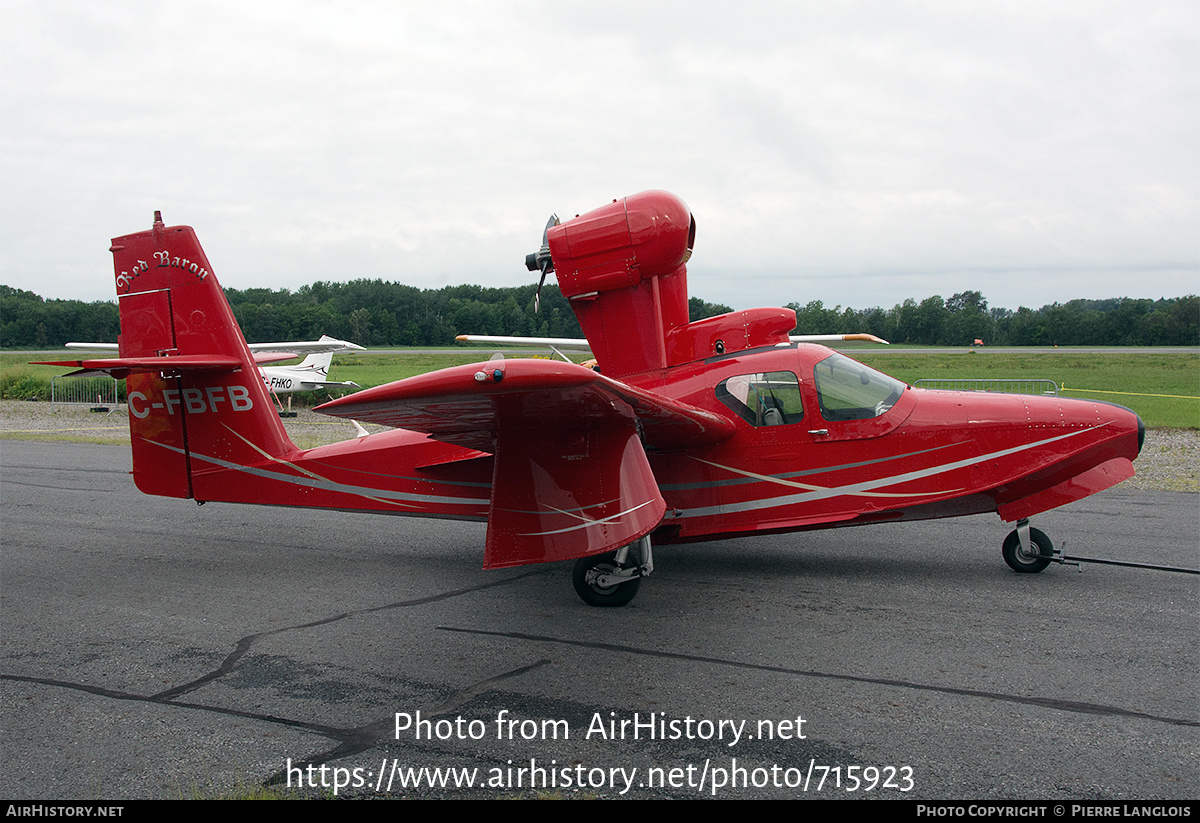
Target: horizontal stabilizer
{"points": [[121, 367]]}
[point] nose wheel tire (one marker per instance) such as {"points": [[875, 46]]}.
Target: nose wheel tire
{"points": [[589, 585], [1041, 550]]}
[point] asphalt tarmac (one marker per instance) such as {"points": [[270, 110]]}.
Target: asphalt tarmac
{"points": [[154, 648]]}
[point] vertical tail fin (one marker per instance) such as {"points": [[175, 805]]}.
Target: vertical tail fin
{"points": [[316, 366], [199, 415], [310, 373]]}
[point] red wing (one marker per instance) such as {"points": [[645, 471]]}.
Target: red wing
{"points": [[570, 477], [467, 405]]}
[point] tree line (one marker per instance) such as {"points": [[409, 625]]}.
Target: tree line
{"points": [[381, 313], [965, 318]]}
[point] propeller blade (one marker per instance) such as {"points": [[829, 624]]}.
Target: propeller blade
{"points": [[542, 260], [537, 295]]}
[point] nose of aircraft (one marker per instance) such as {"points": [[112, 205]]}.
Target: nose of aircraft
{"points": [[1141, 426], [1063, 450]]}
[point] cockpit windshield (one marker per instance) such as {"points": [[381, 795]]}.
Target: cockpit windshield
{"points": [[848, 390]]}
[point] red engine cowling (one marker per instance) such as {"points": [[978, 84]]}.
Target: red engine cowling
{"points": [[623, 267], [620, 245]]}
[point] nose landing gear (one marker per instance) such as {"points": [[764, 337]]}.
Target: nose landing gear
{"points": [[1027, 550]]}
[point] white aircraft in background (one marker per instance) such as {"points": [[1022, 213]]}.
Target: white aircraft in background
{"points": [[310, 374]]}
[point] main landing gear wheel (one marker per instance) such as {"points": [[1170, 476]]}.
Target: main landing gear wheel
{"points": [[593, 580], [1031, 561]]}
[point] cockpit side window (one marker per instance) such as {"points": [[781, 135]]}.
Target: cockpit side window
{"points": [[764, 399], [848, 390]]}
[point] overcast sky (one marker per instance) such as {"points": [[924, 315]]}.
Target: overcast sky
{"points": [[853, 153]]}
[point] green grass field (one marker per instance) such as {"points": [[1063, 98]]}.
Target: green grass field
{"points": [[1162, 388]]}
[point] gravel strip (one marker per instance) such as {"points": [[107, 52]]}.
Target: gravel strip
{"points": [[61, 421], [1170, 461], [1170, 458]]}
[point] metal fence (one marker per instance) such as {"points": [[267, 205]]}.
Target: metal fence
{"points": [[91, 390], [1047, 387]]}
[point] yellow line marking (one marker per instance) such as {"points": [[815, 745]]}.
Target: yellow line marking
{"points": [[1133, 393]]}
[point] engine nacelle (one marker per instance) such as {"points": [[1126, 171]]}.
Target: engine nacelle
{"points": [[619, 245], [623, 266]]}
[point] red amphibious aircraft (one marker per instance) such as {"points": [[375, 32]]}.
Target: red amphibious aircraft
{"points": [[689, 431]]}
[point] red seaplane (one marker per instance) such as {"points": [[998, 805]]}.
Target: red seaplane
{"points": [[693, 431]]}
